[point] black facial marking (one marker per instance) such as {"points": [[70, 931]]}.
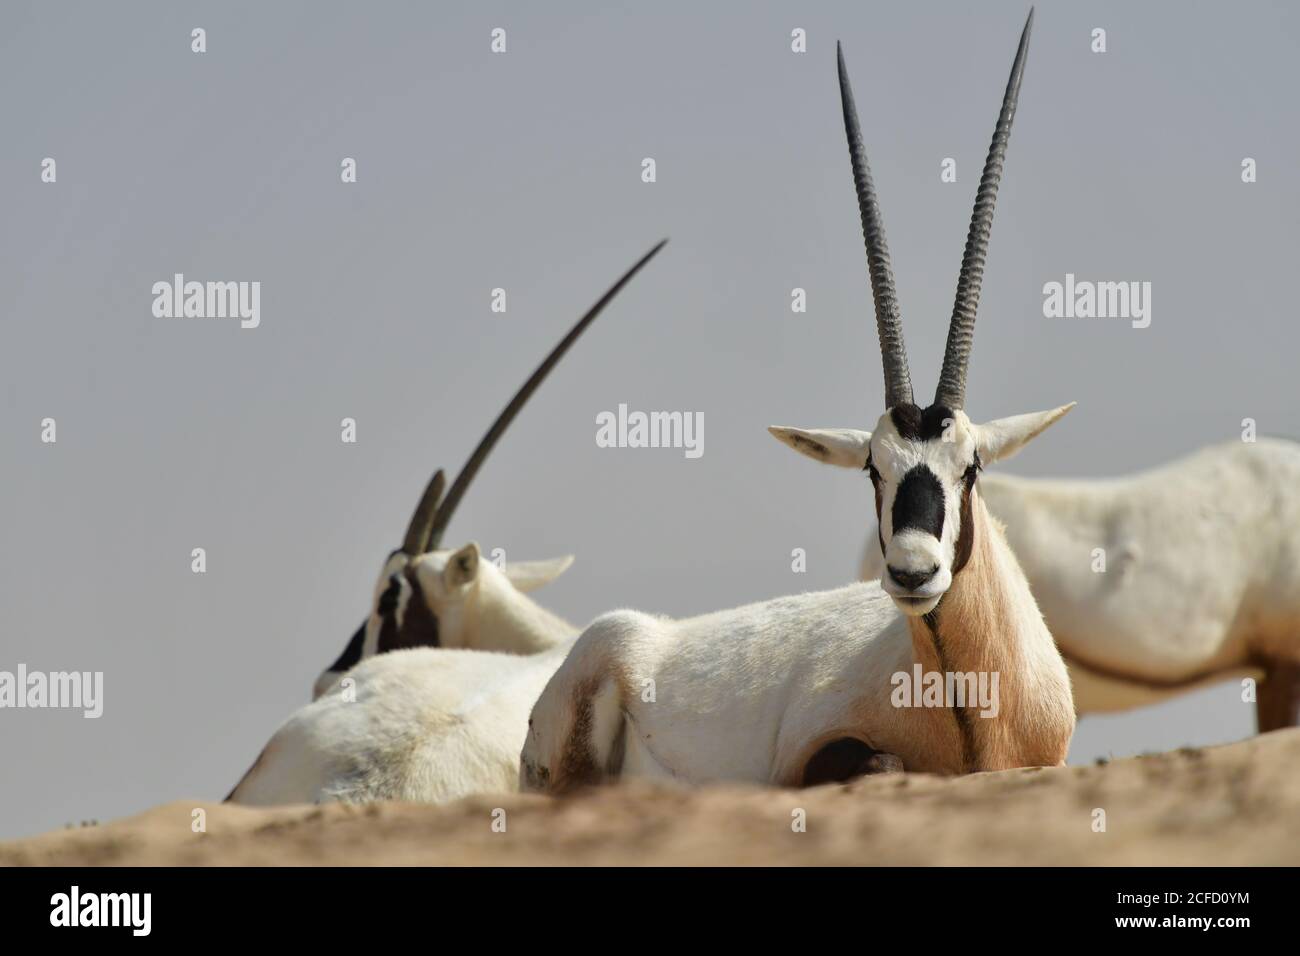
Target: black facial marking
{"points": [[966, 533], [419, 625], [386, 608], [876, 484], [351, 654], [919, 502], [916, 424]]}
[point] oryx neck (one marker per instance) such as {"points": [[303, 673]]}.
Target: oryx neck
{"points": [[500, 609]]}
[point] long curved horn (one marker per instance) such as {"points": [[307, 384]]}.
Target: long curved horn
{"points": [[898, 381], [448, 507], [416, 541], [961, 330]]}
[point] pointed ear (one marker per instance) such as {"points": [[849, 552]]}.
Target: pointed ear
{"points": [[1000, 439], [462, 567], [846, 447], [530, 575]]}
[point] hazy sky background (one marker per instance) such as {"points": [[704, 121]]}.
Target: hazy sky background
{"points": [[522, 171]]}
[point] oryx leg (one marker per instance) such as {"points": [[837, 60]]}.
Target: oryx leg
{"points": [[846, 758], [1277, 703]]}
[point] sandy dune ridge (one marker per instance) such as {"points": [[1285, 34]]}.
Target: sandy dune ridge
{"points": [[1231, 805]]}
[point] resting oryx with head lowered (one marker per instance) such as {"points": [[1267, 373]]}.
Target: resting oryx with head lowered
{"points": [[1201, 580], [798, 690], [418, 598], [442, 715]]}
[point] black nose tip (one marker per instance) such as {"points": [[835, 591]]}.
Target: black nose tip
{"points": [[911, 579]]}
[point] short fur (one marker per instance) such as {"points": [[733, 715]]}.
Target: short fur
{"points": [[1202, 579], [425, 724], [755, 693]]}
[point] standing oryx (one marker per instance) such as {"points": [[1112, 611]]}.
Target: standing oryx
{"points": [[804, 689], [415, 597], [1167, 580], [443, 716]]}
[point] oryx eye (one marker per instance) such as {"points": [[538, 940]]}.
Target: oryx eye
{"points": [[872, 473]]}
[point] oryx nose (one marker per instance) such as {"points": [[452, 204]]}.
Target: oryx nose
{"points": [[911, 579]]}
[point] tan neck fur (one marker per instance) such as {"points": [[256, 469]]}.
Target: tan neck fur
{"points": [[987, 623]]}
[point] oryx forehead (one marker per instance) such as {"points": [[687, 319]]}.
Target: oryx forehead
{"points": [[428, 569], [402, 568], [907, 436]]}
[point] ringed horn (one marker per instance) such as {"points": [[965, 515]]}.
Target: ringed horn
{"points": [[951, 391], [434, 513]]}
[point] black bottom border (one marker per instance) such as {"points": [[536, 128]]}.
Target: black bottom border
{"points": [[305, 905]]}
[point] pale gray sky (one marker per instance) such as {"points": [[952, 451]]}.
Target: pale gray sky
{"points": [[522, 171]]}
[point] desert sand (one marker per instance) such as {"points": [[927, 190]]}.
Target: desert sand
{"points": [[1232, 805]]}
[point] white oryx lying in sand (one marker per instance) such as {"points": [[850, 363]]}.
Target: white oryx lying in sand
{"points": [[433, 710], [1201, 579], [424, 724], [800, 690]]}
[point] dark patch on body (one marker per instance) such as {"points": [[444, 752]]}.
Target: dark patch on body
{"points": [[844, 759], [577, 765], [1277, 705], [617, 751], [970, 748]]}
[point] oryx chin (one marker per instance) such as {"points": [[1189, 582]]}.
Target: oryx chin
{"points": [[82, 690], [208, 300]]}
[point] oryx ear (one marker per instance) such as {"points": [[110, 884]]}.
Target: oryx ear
{"points": [[846, 447], [1003, 437], [530, 575], [462, 567]]}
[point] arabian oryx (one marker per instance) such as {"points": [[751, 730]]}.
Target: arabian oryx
{"points": [[798, 690], [417, 599], [1166, 580], [444, 714]]}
